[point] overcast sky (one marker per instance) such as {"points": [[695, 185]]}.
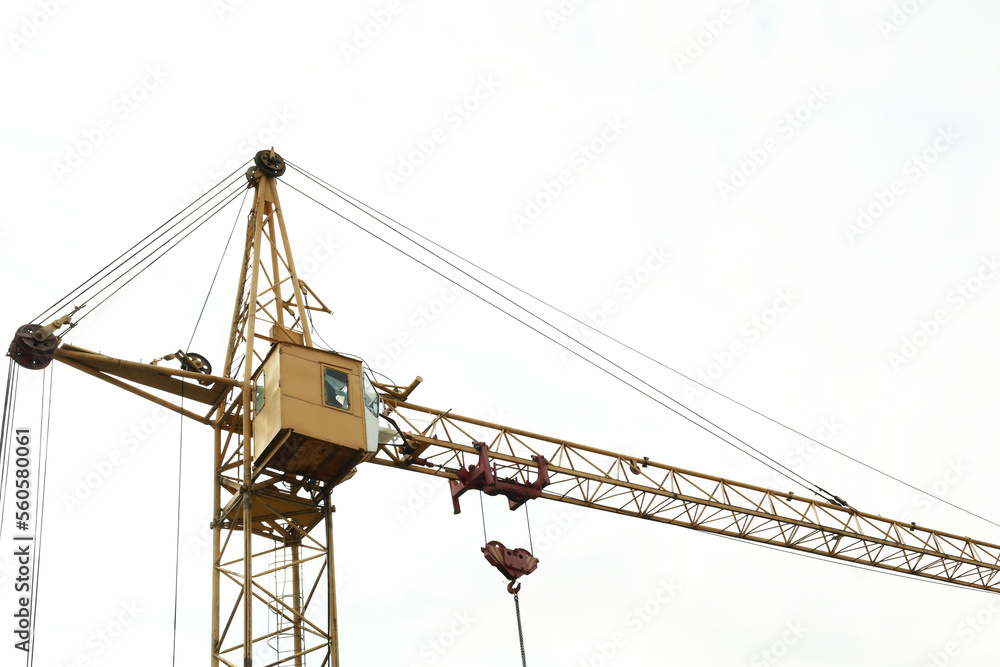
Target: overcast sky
{"points": [[794, 201]]}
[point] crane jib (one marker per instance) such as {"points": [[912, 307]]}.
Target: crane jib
{"points": [[635, 486]]}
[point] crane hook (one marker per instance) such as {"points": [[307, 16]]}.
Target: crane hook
{"points": [[512, 563]]}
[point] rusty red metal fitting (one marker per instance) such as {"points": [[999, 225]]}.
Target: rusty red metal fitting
{"points": [[484, 478], [512, 563]]}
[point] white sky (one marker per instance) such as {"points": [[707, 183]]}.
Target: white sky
{"points": [[207, 84]]}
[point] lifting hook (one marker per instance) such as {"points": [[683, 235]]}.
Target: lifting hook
{"points": [[512, 563]]}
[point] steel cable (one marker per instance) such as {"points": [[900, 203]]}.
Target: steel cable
{"points": [[805, 483], [520, 631], [78, 291], [359, 204], [190, 229], [9, 410], [36, 572]]}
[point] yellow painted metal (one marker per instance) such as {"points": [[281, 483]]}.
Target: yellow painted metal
{"points": [[334, 640], [207, 389], [257, 499], [297, 605], [257, 221], [280, 333], [606, 480], [134, 390], [216, 542], [294, 400]]}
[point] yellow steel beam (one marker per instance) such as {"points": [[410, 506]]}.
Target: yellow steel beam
{"points": [[622, 484]]}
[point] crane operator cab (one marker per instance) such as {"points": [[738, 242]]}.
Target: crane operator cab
{"points": [[315, 413]]}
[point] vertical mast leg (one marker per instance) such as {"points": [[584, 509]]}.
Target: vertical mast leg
{"points": [[247, 443], [296, 605], [331, 584], [216, 540], [231, 351]]}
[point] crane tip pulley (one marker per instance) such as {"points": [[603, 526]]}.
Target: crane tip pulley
{"points": [[268, 163], [34, 345]]}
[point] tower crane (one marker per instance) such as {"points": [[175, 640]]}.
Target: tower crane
{"points": [[292, 421]]}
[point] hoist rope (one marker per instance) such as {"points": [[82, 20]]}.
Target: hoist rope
{"points": [[517, 604], [520, 631], [40, 521], [9, 406], [674, 370], [177, 533], [312, 325], [40, 486], [330, 348], [531, 542], [222, 258], [190, 229], [482, 511], [353, 201], [791, 474], [180, 448], [107, 269]]}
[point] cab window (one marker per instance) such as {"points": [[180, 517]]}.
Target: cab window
{"points": [[370, 396], [335, 389], [258, 401]]}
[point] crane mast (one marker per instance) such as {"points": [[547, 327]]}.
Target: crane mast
{"points": [[292, 421], [285, 510]]}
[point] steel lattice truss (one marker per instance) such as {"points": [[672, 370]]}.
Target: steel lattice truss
{"points": [[441, 442], [286, 510]]}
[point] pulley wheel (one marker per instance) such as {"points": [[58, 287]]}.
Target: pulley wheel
{"points": [[29, 352], [202, 362], [269, 163]]}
